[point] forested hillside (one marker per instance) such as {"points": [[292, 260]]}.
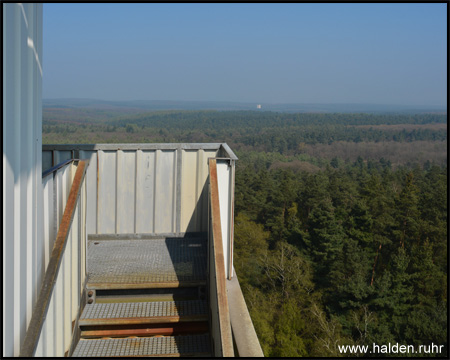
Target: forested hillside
{"points": [[340, 219]]}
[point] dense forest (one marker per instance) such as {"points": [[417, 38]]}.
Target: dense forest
{"points": [[340, 219], [354, 254]]}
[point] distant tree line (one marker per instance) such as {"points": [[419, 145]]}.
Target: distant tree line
{"points": [[263, 131]]}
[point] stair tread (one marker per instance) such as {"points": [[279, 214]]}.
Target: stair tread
{"points": [[143, 312], [181, 345], [169, 262]]}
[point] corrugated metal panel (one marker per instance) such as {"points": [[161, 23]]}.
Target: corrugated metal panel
{"points": [[145, 197], [145, 188], [126, 191], [23, 248], [224, 179], [165, 191], [106, 215], [57, 332], [56, 188], [91, 188]]}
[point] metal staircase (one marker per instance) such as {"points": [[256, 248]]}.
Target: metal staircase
{"points": [[146, 296]]}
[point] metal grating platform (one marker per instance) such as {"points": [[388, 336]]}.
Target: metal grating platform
{"points": [[141, 263], [193, 345], [142, 312]]}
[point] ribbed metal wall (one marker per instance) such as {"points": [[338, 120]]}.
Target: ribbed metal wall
{"points": [[56, 187], [57, 331], [23, 248], [225, 179], [144, 188]]}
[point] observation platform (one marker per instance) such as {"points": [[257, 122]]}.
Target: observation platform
{"points": [[139, 242]]}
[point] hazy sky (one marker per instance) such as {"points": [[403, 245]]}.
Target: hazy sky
{"points": [[264, 53]]}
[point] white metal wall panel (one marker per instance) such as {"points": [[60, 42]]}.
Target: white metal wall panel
{"points": [[224, 183], [194, 194], [91, 188], [55, 189], [57, 331], [22, 169], [203, 201], [63, 182], [48, 217], [189, 190], [165, 191], [145, 185], [106, 192], [126, 191], [144, 188]]}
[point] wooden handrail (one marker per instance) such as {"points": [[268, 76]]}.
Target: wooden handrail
{"points": [[43, 301], [219, 263]]}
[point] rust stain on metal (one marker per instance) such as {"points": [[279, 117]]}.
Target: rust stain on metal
{"points": [[158, 330], [43, 301], [144, 320], [224, 316], [148, 285]]}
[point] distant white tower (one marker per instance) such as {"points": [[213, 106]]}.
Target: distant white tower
{"points": [[258, 106]]}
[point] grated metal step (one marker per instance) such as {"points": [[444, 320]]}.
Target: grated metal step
{"points": [[143, 312], [189, 345], [154, 263]]}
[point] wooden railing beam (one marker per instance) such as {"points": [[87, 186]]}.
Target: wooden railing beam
{"points": [[219, 263]]}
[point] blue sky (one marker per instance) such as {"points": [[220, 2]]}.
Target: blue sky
{"points": [[265, 53]]}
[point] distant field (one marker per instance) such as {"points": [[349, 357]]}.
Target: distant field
{"points": [[402, 139], [407, 127], [295, 165], [396, 152]]}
